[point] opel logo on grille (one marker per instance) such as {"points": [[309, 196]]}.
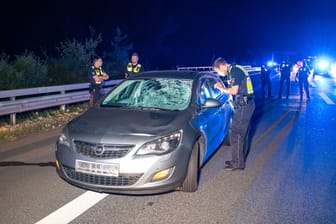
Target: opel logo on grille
{"points": [[99, 150]]}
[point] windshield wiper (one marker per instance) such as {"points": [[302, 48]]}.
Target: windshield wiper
{"points": [[137, 107], [162, 109], [116, 105]]}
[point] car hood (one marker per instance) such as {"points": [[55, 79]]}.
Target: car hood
{"points": [[118, 121]]}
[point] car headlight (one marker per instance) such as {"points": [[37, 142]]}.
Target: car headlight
{"points": [[64, 140], [161, 145], [323, 65]]}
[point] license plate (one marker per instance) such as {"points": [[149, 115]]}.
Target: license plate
{"points": [[105, 169]]}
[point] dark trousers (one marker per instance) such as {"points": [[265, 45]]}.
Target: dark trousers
{"points": [[284, 78], [240, 131], [303, 83], [96, 92], [266, 82]]}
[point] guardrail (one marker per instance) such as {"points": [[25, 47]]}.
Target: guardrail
{"points": [[248, 68], [21, 100]]}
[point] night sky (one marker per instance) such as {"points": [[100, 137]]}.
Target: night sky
{"points": [[170, 33]]}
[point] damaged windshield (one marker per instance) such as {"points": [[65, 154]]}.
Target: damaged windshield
{"points": [[160, 93]]}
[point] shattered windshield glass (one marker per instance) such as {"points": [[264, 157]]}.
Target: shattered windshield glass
{"points": [[156, 93]]}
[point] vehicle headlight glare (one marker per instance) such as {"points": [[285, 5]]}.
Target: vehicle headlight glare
{"points": [[165, 146], [323, 64], [161, 145], [149, 147], [64, 140]]}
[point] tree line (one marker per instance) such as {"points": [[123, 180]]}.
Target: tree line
{"points": [[70, 65]]}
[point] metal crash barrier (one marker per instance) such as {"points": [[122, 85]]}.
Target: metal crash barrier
{"points": [[22, 100], [248, 68]]}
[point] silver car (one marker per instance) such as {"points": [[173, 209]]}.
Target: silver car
{"points": [[151, 133]]}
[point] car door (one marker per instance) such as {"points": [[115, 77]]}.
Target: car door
{"points": [[210, 120]]}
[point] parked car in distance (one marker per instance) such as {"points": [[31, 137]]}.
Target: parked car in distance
{"points": [[150, 134]]}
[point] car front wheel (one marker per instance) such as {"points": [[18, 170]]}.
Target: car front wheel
{"points": [[190, 183]]}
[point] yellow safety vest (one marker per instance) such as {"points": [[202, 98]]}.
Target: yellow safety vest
{"points": [[249, 86], [135, 69], [97, 71]]}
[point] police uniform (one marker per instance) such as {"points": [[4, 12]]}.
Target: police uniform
{"points": [[303, 74], [244, 108], [95, 87], [132, 69], [285, 70]]}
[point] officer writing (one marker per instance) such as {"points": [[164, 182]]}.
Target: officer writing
{"points": [[265, 81], [240, 87], [303, 74], [96, 76], [133, 67]]}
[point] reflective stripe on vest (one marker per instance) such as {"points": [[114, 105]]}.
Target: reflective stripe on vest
{"points": [[135, 69], [249, 85], [98, 71]]}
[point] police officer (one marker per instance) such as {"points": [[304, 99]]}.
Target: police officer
{"points": [[303, 74], [96, 77], [133, 67], [285, 71], [265, 81], [240, 87]]}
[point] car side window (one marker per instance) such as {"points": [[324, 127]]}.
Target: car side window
{"points": [[204, 92], [201, 94], [214, 92]]}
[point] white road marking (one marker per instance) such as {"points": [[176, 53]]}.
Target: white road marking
{"points": [[326, 98], [73, 209]]}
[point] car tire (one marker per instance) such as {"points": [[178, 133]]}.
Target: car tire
{"points": [[190, 183]]}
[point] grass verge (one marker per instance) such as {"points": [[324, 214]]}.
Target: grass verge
{"points": [[38, 121]]}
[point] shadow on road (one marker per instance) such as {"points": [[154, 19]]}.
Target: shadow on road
{"points": [[18, 163]]}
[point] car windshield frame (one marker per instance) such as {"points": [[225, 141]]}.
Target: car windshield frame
{"points": [[155, 93]]}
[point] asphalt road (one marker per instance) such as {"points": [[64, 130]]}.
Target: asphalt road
{"points": [[290, 175]]}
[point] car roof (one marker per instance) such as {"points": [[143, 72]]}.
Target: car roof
{"points": [[171, 74]]}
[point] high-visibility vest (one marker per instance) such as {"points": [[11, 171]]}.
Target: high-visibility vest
{"points": [[249, 86], [97, 71], [135, 69]]}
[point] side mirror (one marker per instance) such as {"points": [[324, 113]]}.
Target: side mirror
{"points": [[211, 103]]}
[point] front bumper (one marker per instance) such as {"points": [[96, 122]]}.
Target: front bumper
{"points": [[135, 174]]}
